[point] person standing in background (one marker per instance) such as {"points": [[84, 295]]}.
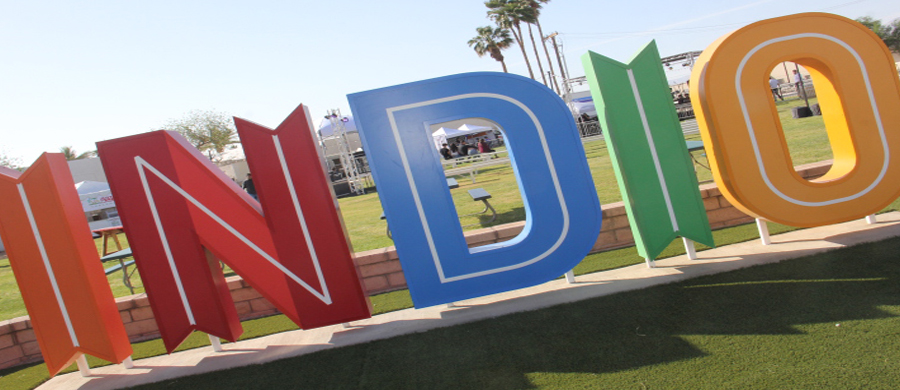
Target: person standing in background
{"points": [[775, 85], [446, 153], [249, 187], [454, 149]]}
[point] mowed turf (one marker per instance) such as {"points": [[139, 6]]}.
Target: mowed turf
{"points": [[29, 377], [826, 321]]}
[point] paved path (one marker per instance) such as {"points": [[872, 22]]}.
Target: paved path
{"points": [[288, 344]]}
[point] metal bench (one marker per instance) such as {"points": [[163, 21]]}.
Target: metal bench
{"points": [[123, 265], [118, 267], [451, 184], [693, 146], [479, 194], [387, 228]]}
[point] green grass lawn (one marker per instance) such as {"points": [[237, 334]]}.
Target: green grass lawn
{"points": [[825, 321], [31, 376]]}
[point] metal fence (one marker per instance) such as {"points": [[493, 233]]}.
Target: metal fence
{"points": [[684, 111], [589, 128], [790, 90]]}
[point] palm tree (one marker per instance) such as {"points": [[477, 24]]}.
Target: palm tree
{"points": [[537, 56], [70, 154], [509, 14], [536, 6], [491, 41]]}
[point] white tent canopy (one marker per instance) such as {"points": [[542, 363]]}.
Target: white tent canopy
{"points": [[87, 187], [468, 127], [584, 106], [234, 152], [94, 195], [440, 136], [325, 129]]}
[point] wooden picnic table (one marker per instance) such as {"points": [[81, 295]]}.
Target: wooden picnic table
{"points": [[107, 233]]}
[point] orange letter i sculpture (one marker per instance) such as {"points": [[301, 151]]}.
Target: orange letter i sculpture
{"points": [[57, 266]]}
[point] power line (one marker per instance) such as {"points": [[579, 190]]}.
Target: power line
{"points": [[649, 31], [685, 29]]}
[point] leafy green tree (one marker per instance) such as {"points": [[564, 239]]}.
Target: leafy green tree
{"points": [[510, 14], [209, 131], [491, 41], [70, 153], [889, 33], [9, 161]]}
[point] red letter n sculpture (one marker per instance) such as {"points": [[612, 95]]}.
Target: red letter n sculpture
{"points": [[182, 215]]}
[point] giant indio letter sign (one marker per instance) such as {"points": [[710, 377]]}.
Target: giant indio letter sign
{"points": [[182, 214], [859, 93]]}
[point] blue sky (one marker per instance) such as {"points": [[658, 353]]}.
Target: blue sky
{"points": [[73, 74]]}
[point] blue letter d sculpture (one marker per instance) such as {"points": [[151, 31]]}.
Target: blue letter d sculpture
{"points": [[562, 211]]}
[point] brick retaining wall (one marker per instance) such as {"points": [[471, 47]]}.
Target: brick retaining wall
{"points": [[379, 268]]}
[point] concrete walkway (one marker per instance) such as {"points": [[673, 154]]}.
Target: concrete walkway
{"points": [[300, 342]]}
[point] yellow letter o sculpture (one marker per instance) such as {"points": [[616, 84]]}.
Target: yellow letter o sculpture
{"points": [[859, 95]]}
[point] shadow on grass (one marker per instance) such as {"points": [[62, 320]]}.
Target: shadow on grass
{"points": [[634, 330], [514, 215]]}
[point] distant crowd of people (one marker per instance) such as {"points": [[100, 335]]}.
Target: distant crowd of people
{"points": [[681, 98], [798, 83], [584, 118], [462, 148]]}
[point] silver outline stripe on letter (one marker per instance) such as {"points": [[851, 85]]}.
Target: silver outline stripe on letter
{"points": [[302, 219], [656, 164], [47, 266], [234, 232], [412, 184], [759, 162], [141, 163]]}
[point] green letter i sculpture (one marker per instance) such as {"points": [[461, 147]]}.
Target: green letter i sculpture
{"points": [[648, 152]]}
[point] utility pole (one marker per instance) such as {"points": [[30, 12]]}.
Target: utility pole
{"points": [[562, 70], [550, 63], [802, 87], [554, 86], [787, 75]]}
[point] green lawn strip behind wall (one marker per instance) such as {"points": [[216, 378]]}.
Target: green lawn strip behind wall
{"points": [[31, 376], [823, 321]]}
